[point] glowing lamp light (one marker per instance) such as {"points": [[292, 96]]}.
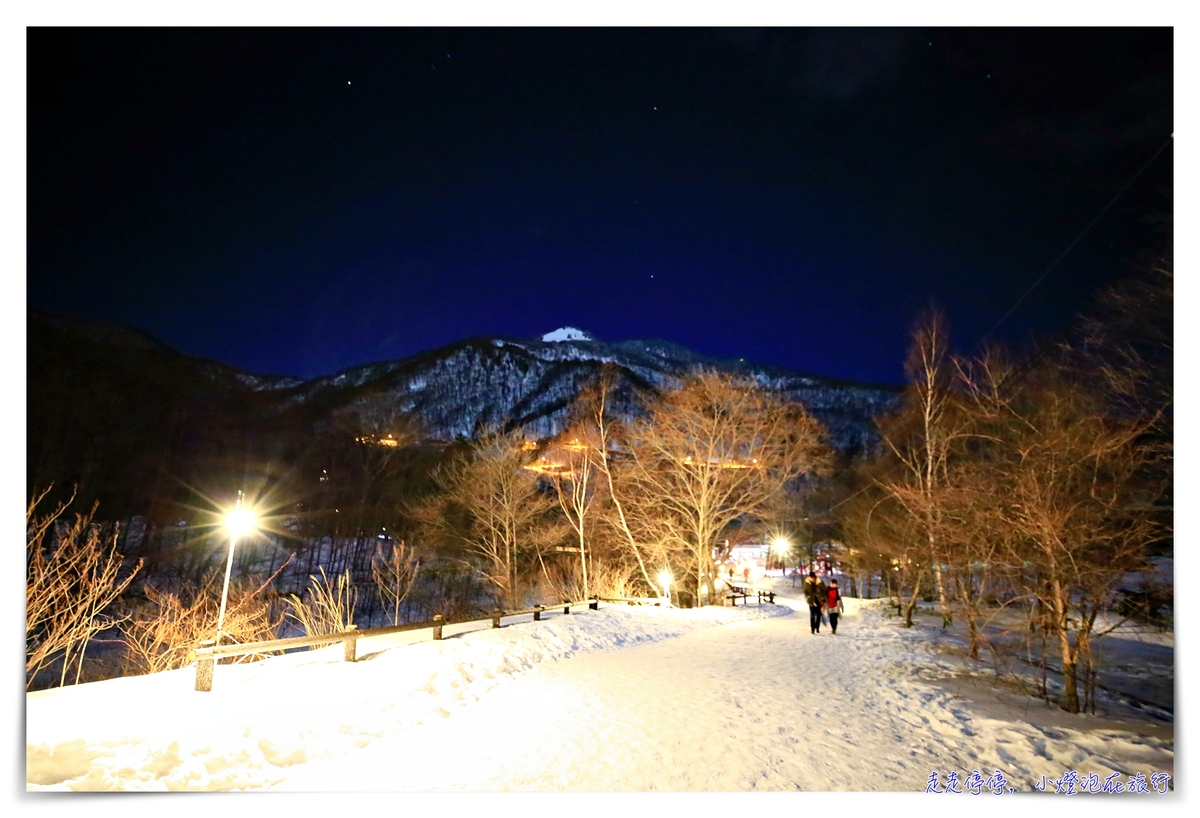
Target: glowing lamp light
{"points": [[664, 579], [239, 521], [781, 545]]}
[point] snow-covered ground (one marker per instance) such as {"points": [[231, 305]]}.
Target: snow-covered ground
{"points": [[621, 699], [1135, 661]]}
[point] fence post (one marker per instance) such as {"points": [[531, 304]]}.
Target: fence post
{"points": [[204, 667], [437, 626], [566, 607], [537, 613], [594, 605], [496, 618], [350, 641]]}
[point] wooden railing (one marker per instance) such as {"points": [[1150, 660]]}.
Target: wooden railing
{"points": [[634, 600], [206, 653]]}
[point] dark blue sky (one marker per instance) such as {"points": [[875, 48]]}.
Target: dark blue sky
{"points": [[300, 201]]}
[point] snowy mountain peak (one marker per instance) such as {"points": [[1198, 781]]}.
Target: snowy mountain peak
{"points": [[567, 334]]}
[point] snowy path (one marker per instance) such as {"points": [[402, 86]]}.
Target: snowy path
{"points": [[760, 705], [639, 700], [757, 705]]}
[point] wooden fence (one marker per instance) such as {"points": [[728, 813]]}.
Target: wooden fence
{"points": [[635, 600], [206, 653]]}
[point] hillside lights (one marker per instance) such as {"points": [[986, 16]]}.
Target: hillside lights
{"points": [[238, 522]]}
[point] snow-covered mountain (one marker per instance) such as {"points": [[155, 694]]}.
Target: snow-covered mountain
{"points": [[115, 396], [567, 334], [464, 388]]}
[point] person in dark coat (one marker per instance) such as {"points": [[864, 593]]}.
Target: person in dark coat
{"points": [[833, 604], [814, 594]]}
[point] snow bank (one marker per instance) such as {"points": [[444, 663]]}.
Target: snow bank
{"points": [[261, 719], [622, 699]]}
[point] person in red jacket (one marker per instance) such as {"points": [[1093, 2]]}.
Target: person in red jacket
{"points": [[833, 604]]}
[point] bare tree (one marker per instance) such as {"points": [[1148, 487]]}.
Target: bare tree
{"points": [[890, 540], [394, 570], [708, 457], [604, 429], [72, 575], [490, 503], [1075, 499], [1126, 340], [161, 634], [572, 473], [921, 440]]}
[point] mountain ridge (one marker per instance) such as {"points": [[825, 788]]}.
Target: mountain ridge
{"points": [[459, 389]]}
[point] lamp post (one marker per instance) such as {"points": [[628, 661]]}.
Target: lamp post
{"points": [[780, 547], [664, 579], [239, 521]]}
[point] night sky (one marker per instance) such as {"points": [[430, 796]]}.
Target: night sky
{"points": [[300, 201]]}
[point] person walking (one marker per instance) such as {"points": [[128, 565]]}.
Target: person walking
{"points": [[814, 593], [833, 604]]}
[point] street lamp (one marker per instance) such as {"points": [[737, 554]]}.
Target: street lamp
{"points": [[780, 546], [664, 579], [239, 521]]}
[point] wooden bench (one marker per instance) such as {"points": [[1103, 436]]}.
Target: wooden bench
{"points": [[737, 592]]}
